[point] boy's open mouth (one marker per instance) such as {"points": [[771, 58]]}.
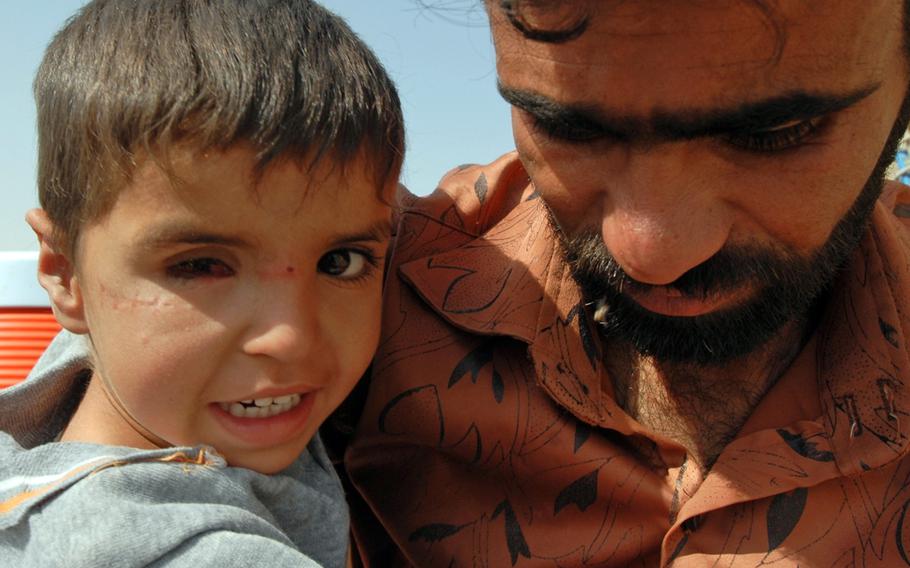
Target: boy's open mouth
{"points": [[261, 407]]}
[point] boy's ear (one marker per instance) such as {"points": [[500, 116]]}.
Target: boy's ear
{"points": [[57, 275]]}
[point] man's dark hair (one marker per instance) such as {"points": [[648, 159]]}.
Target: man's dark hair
{"points": [[565, 22], [125, 80]]}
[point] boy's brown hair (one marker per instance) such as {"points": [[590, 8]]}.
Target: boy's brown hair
{"points": [[126, 79]]}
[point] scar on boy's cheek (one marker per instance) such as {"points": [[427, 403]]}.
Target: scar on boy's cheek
{"points": [[118, 301], [289, 270]]}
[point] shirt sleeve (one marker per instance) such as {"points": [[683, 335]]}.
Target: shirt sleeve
{"points": [[66, 355]]}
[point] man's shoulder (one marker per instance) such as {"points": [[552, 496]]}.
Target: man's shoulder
{"points": [[469, 198]]}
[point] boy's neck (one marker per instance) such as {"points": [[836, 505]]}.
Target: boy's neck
{"points": [[96, 421]]}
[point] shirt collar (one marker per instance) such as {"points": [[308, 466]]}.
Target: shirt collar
{"points": [[863, 365], [511, 279]]}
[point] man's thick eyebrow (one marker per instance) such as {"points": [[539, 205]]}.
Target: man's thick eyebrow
{"points": [[687, 124]]}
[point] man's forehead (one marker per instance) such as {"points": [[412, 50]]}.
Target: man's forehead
{"points": [[650, 53], [648, 18]]}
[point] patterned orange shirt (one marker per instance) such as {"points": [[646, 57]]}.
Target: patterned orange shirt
{"points": [[490, 436]]}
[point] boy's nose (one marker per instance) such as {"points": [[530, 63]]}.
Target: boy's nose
{"points": [[285, 325], [660, 220]]}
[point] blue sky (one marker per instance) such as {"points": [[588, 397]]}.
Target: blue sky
{"points": [[441, 59]]}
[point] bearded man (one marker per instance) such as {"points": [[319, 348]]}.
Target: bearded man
{"points": [[671, 329]]}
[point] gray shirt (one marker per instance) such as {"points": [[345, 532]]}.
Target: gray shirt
{"points": [[76, 504]]}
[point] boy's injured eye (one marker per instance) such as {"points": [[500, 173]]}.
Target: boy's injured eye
{"points": [[200, 268]]}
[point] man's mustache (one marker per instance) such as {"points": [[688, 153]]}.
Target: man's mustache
{"points": [[731, 268]]}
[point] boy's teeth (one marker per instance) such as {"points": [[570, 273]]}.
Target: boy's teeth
{"points": [[261, 407]]}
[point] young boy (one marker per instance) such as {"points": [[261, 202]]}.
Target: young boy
{"points": [[214, 178]]}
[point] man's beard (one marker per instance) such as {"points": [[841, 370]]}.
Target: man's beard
{"points": [[786, 285]]}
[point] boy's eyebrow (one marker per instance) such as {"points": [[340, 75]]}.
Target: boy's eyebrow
{"points": [[686, 124], [379, 232], [170, 234]]}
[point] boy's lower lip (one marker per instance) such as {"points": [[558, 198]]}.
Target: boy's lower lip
{"points": [[270, 431]]}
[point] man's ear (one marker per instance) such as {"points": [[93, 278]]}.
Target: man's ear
{"points": [[57, 274]]}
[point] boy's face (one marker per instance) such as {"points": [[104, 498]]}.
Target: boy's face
{"points": [[200, 297]]}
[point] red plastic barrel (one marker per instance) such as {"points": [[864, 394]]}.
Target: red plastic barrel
{"points": [[24, 333]]}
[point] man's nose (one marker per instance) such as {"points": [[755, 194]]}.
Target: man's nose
{"points": [[662, 216]]}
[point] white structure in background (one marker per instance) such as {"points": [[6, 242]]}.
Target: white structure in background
{"points": [[26, 322], [19, 280]]}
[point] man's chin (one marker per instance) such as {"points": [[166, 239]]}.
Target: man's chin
{"points": [[706, 332]]}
